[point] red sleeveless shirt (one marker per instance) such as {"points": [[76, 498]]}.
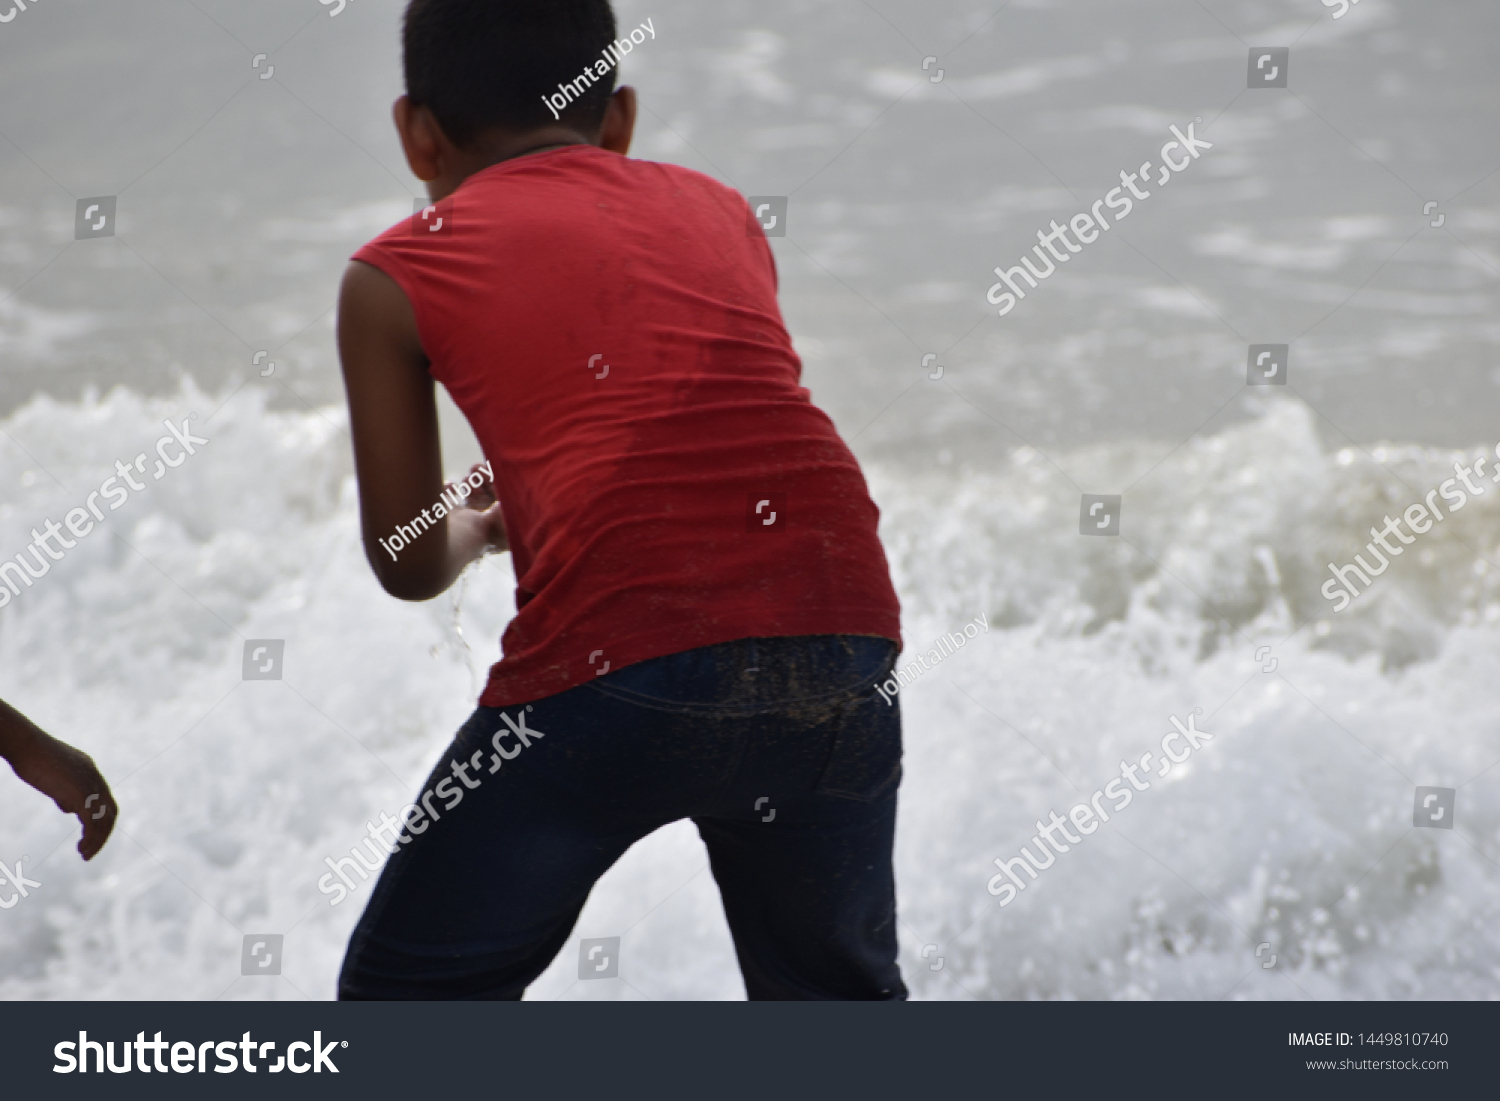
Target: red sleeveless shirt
{"points": [[609, 327]]}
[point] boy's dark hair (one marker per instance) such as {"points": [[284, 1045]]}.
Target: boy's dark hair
{"points": [[480, 65]]}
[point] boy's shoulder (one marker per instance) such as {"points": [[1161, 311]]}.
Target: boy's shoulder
{"points": [[589, 164], [557, 192]]}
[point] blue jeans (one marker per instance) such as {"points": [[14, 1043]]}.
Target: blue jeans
{"points": [[778, 749]]}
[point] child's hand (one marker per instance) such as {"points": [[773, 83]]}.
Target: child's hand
{"points": [[479, 528], [474, 533], [493, 526], [74, 783], [483, 497]]}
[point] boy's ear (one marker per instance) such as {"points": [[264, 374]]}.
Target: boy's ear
{"points": [[619, 121], [421, 138]]}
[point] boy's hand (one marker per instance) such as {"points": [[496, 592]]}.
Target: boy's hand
{"points": [[473, 532], [70, 777], [483, 497], [478, 528]]}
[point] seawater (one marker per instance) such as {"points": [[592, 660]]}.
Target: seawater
{"points": [[1292, 827]]}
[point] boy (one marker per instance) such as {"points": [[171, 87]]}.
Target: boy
{"points": [[704, 608], [58, 770]]}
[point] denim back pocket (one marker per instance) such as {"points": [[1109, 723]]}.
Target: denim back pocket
{"points": [[864, 760]]}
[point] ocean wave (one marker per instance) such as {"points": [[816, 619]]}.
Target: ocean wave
{"points": [[1291, 828]]}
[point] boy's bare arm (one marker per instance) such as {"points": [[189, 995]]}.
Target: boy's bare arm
{"points": [[397, 457], [69, 776]]}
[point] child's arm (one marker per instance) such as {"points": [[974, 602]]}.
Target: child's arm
{"points": [[397, 459], [58, 770]]}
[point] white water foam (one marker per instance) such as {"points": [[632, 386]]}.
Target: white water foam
{"points": [[1292, 827]]}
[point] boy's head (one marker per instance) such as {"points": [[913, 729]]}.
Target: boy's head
{"points": [[483, 66]]}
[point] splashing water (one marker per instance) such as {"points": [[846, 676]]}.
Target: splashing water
{"points": [[1290, 828]]}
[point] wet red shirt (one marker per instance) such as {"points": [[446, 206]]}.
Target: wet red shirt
{"points": [[609, 327]]}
